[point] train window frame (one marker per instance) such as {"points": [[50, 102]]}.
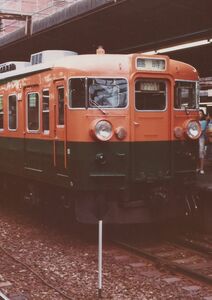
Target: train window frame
{"points": [[151, 79], [60, 87], [16, 112], [45, 111], [27, 113], [86, 78], [2, 113], [196, 100]]}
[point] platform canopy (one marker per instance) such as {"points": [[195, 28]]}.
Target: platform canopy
{"points": [[120, 26]]}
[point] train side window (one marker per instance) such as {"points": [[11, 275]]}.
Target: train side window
{"points": [[12, 112], [45, 111], [1, 113], [33, 111], [150, 94], [185, 95], [77, 92], [60, 120]]}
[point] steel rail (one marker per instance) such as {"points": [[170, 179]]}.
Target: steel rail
{"points": [[44, 281], [165, 263], [189, 243]]}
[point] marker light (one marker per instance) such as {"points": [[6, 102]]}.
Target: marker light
{"points": [[178, 132], [193, 129], [120, 133], [103, 130]]}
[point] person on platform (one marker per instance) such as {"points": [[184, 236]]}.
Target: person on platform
{"points": [[202, 141], [209, 137]]}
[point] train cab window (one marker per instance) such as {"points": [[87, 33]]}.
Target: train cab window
{"points": [[150, 94], [12, 112], [77, 92], [97, 92], [1, 113], [60, 120], [33, 111], [185, 95], [45, 111], [107, 92]]}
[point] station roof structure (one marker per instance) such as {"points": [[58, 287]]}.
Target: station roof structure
{"points": [[120, 26]]}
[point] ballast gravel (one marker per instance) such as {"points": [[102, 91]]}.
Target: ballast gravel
{"points": [[67, 260]]}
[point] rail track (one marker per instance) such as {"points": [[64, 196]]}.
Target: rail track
{"points": [[35, 273], [182, 255], [199, 245]]}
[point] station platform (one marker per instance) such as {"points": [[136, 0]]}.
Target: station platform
{"points": [[204, 186], [204, 181]]}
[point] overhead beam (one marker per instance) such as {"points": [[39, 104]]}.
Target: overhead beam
{"points": [[19, 17], [13, 16]]}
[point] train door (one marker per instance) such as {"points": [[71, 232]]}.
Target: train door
{"points": [[60, 133], [151, 130], [32, 144]]}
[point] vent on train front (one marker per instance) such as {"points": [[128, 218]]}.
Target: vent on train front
{"points": [[12, 66], [49, 56]]}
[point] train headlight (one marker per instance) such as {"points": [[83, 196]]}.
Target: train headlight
{"points": [[103, 130], [193, 129]]}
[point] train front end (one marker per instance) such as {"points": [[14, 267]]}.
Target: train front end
{"points": [[164, 137], [139, 160]]}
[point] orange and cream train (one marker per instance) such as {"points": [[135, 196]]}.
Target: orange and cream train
{"points": [[109, 136]]}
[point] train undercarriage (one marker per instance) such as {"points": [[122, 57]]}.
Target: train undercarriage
{"points": [[142, 203]]}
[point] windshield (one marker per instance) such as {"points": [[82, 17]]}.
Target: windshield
{"points": [[185, 95], [150, 94], [108, 93], [98, 92]]}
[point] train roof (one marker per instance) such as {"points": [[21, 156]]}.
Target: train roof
{"points": [[109, 63]]}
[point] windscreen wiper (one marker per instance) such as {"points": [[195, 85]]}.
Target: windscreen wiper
{"points": [[186, 109], [97, 106]]}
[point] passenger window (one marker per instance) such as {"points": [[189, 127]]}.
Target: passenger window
{"points": [[1, 113], [150, 94], [45, 111], [33, 111], [60, 120], [77, 92], [185, 95], [12, 112]]}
